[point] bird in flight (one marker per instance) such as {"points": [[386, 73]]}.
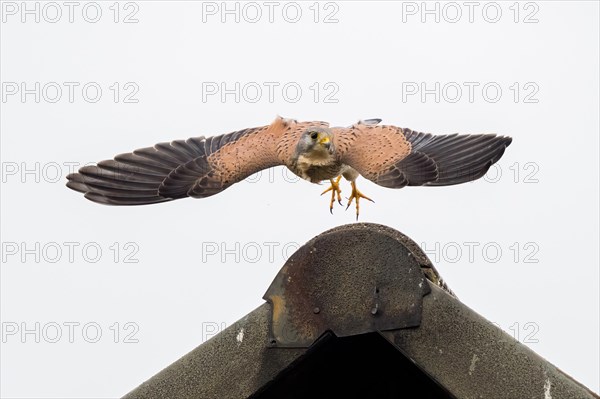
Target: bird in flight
{"points": [[199, 167]]}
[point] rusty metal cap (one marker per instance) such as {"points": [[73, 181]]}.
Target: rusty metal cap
{"points": [[350, 280]]}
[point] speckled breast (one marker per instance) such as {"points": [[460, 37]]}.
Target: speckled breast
{"points": [[317, 173]]}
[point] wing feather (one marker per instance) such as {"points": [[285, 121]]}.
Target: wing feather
{"points": [[397, 157], [371, 149], [196, 167]]}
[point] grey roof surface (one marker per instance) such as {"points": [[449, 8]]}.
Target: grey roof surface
{"points": [[384, 286]]}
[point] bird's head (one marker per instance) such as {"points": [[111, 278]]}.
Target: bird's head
{"points": [[316, 141]]}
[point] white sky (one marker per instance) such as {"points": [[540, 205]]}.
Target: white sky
{"points": [[520, 247]]}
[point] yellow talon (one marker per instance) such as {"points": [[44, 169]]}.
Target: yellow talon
{"points": [[356, 195], [335, 189]]}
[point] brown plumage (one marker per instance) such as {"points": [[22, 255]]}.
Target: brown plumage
{"points": [[200, 167]]}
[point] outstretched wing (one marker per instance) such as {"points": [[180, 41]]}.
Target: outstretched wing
{"points": [[395, 157], [197, 167]]}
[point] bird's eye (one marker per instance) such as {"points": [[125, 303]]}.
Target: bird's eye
{"points": [[314, 135]]}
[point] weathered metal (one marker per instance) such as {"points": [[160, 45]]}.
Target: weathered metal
{"points": [[351, 280], [473, 358], [450, 344]]}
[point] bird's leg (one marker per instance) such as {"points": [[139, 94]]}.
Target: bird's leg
{"points": [[356, 195], [335, 189]]}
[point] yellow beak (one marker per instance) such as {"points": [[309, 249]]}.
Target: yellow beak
{"points": [[324, 140]]}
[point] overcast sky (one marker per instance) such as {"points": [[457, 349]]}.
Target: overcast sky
{"points": [[95, 300]]}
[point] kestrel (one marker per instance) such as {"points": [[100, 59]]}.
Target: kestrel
{"points": [[199, 167]]}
